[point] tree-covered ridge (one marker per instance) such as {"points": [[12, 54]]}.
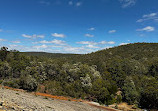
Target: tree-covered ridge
{"points": [[135, 51], [130, 69], [48, 55]]}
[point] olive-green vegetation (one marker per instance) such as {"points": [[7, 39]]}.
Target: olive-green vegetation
{"points": [[131, 70], [48, 55]]}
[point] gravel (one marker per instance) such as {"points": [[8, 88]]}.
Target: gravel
{"points": [[23, 101]]}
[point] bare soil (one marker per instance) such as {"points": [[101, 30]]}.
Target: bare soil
{"points": [[19, 100]]}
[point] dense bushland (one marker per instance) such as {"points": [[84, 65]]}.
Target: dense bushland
{"points": [[126, 73]]}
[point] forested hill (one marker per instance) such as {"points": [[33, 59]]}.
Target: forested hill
{"points": [[136, 51], [49, 55], [133, 51], [131, 70]]}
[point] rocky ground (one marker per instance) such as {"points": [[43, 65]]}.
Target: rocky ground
{"points": [[22, 101]]}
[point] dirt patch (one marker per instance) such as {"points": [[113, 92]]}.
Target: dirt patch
{"points": [[18, 100], [102, 107]]}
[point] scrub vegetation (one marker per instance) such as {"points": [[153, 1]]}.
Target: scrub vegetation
{"points": [[130, 69]]}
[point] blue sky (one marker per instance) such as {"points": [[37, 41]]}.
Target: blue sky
{"points": [[76, 26]]}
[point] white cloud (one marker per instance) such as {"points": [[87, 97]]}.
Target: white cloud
{"points": [[37, 48], [1, 40], [17, 47], [63, 49], [39, 36], [112, 31], [96, 43], [140, 20], [16, 42], [89, 35], [77, 50], [151, 16], [87, 43], [83, 49], [111, 42], [55, 48], [27, 36], [105, 42], [73, 49], [55, 41], [91, 46], [40, 46], [92, 28], [78, 4], [147, 29], [70, 3], [13, 45], [127, 3], [33, 36], [123, 43], [44, 2], [58, 35]]}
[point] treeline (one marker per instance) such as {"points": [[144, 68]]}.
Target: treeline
{"points": [[126, 73], [48, 55]]}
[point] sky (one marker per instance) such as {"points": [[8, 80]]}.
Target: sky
{"points": [[76, 26]]}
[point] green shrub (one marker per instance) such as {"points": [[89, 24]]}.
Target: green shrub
{"points": [[12, 83], [28, 83], [1, 81], [119, 99]]}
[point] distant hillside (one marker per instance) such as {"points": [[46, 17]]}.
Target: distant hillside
{"points": [[49, 55], [136, 51], [133, 51]]}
